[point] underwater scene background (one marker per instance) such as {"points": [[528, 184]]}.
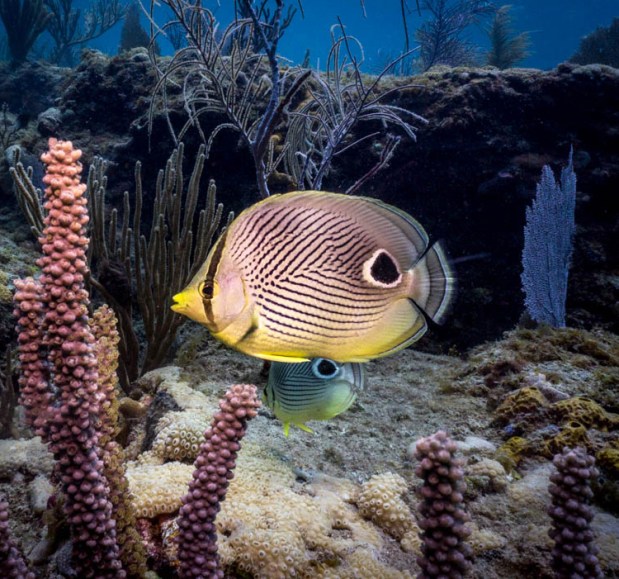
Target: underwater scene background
{"points": [[209, 370], [556, 27]]}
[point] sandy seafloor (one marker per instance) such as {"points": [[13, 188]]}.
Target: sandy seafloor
{"points": [[413, 394], [407, 396]]}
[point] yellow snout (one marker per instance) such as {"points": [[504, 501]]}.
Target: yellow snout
{"points": [[189, 303]]}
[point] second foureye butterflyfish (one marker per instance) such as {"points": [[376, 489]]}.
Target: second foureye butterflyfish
{"points": [[315, 390]]}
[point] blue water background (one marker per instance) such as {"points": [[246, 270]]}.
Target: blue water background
{"points": [[555, 26]]}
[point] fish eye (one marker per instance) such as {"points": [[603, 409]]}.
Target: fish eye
{"points": [[324, 368], [206, 290]]}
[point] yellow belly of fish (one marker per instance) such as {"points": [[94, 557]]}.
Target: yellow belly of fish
{"points": [[401, 325]]}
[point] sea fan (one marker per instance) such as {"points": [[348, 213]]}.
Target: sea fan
{"points": [[548, 241]]}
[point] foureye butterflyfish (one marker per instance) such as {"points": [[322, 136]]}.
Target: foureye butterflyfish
{"points": [[312, 274], [315, 390]]}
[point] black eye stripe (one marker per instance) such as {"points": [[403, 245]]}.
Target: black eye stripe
{"points": [[209, 280], [212, 268], [206, 290]]}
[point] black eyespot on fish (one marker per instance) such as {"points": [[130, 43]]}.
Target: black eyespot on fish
{"points": [[206, 290], [324, 368], [384, 269]]}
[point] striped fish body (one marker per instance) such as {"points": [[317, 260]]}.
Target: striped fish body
{"points": [[315, 390], [315, 274]]}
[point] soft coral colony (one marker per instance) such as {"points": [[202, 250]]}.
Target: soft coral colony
{"points": [[67, 403]]}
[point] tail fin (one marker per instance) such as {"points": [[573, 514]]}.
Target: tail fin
{"points": [[434, 283]]}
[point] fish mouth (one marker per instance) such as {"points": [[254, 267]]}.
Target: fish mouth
{"points": [[188, 303], [179, 305]]}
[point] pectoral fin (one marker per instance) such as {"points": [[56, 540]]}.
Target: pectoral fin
{"points": [[298, 425]]}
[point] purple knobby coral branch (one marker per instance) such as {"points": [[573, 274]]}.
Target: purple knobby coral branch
{"points": [[197, 538], [574, 553], [12, 562], [445, 552], [59, 381]]}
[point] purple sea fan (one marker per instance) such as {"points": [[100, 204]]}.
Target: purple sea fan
{"points": [[548, 241]]}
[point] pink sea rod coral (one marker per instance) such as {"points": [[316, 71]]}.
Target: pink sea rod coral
{"points": [[12, 562], [574, 553], [444, 550], [59, 369], [197, 539]]}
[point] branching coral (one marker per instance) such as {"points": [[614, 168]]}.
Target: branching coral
{"points": [[320, 128], [242, 81], [222, 75], [67, 32], [445, 552], [507, 48], [59, 381], [441, 36], [574, 554], [12, 562], [215, 465], [156, 265], [601, 46], [103, 324], [24, 21], [132, 34]]}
